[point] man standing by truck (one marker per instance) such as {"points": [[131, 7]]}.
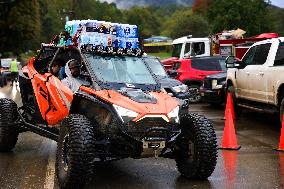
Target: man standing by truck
{"points": [[14, 71]]}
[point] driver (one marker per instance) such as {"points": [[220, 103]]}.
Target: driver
{"points": [[73, 79]]}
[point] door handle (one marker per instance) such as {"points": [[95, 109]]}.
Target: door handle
{"points": [[247, 73], [261, 73]]}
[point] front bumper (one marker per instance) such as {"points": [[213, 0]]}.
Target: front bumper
{"points": [[213, 95]]}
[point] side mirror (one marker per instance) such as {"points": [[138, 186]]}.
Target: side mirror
{"points": [[232, 62], [172, 73]]}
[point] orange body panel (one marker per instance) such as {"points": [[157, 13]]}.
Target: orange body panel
{"points": [[53, 98], [165, 103]]}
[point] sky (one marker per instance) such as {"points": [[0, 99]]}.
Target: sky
{"points": [[279, 3]]}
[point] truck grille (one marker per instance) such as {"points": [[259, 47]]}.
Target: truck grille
{"points": [[140, 128], [207, 83]]}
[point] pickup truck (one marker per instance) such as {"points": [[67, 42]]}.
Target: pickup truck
{"points": [[257, 80]]}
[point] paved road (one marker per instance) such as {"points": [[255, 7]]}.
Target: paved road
{"points": [[255, 165]]}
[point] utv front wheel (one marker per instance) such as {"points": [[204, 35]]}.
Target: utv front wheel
{"points": [[8, 133], [75, 151], [196, 147]]}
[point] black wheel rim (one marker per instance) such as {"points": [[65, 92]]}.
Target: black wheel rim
{"points": [[194, 95], [65, 154]]}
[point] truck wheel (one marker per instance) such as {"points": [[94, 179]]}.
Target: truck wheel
{"points": [[8, 133], [75, 151], [194, 94], [282, 110], [237, 109], [196, 147]]}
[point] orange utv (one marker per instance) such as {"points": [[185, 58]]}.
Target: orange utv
{"points": [[121, 113]]}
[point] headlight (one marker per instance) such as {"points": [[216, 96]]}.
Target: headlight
{"points": [[180, 89], [215, 84], [174, 114], [124, 113]]}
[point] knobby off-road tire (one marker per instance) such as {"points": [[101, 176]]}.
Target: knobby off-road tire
{"points": [[8, 133], [196, 153], [75, 151]]}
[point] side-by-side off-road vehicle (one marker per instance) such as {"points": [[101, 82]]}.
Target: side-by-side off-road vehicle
{"points": [[120, 113]]}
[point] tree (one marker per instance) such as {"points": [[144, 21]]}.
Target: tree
{"points": [[252, 15], [24, 26], [147, 22], [184, 23]]}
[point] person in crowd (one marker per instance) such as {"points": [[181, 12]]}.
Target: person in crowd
{"points": [[14, 71], [73, 79], [56, 66]]}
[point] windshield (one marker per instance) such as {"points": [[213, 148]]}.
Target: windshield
{"points": [[156, 67], [120, 69], [176, 50]]}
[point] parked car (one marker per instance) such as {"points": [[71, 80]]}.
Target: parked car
{"points": [[257, 81], [193, 71], [171, 86], [213, 89]]}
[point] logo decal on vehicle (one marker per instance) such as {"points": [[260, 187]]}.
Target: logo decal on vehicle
{"points": [[43, 93], [130, 85]]}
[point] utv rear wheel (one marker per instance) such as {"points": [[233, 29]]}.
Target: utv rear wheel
{"points": [[196, 147], [8, 133], [194, 94], [75, 151]]}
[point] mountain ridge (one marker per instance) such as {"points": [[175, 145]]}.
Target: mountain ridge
{"points": [[126, 4]]}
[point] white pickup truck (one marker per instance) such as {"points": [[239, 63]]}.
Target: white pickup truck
{"points": [[257, 81]]}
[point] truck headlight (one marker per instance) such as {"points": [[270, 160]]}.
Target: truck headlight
{"points": [[180, 88], [174, 114], [125, 114], [215, 84]]}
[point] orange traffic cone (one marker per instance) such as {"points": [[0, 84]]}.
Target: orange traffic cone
{"points": [[229, 140], [281, 143], [230, 105]]}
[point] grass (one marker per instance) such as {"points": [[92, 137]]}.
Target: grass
{"points": [[161, 55]]}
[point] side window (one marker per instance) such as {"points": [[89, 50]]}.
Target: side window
{"points": [[257, 55], [279, 59], [198, 48], [187, 48], [206, 64], [248, 58], [261, 54]]}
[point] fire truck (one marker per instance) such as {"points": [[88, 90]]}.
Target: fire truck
{"points": [[223, 44]]}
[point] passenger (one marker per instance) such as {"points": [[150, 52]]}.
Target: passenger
{"points": [[73, 79], [56, 66]]}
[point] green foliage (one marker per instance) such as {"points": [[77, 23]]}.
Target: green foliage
{"points": [[24, 57], [184, 23], [252, 15], [147, 23], [24, 25], [278, 17], [27, 23], [161, 55]]}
